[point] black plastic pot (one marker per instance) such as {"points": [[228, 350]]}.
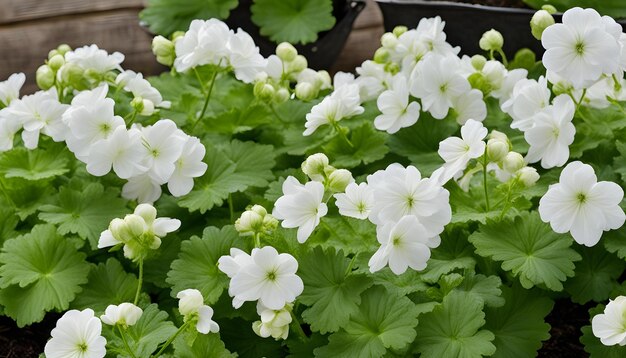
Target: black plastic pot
{"points": [[465, 23], [322, 53]]}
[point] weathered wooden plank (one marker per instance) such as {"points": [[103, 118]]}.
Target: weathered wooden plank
{"points": [[361, 45], [370, 17], [12, 11], [25, 46]]}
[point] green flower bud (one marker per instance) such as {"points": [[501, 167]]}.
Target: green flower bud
{"points": [[177, 35], [135, 225], [259, 210], [45, 77], [298, 64], [64, 48], [539, 22], [399, 30], [325, 79], [478, 62], [118, 230], [164, 51], [513, 162], [524, 58], [381, 55], [270, 223], [147, 108], [528, 176], [392, 68], [314, 166], [499, 136], [305, 91], [137, 104], [478, 81], [56, 62], [249, 223], [389, 40], [53, 53], [491, 40], [339, 179], [282, 95], [497, 150], [286, 52], [549, 8], [264, 91]]}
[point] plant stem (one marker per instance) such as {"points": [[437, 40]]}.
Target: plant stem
{"points": [[199, 80], [485, 182], [280, 119], [230, 207], [140, 282], [132, 116], [206, 101], [128, 349], [171, 339], [349, 269], [342, 134], [505, 62], [295, 323], [257, 240]]}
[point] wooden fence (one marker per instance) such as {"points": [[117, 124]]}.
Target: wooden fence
{"points": [[31, 28]]}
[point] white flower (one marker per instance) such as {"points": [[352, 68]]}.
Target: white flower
{"points": [[77, 334], [204, 43], [433, 36], [610, 326], [274, 323], [372, 80], [10, 89], [205, 324], [457, 152], [437, 84], [122, 150], [528, 98], [230, 265], [244, 56], [470, 105], [356, 202], [511, 78], [141, 88], [300, 206], [400, 191], [163, 145], [191, 306], [157, 226], [8, 128], [90, 118], [599, 94], [142, 188], [94, 59], [404, 244], [580, 49], [581, 205], [344, 102], [188, 166], [126, 314], [552, 133], [397, 111]]}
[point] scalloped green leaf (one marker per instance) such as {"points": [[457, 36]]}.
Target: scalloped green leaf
{"points": [[595, 276], [163, 17]]}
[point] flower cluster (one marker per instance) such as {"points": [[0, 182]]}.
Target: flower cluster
{"points": [[195, 312]]}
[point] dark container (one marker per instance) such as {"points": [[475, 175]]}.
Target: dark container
{"points": [[320, 54], [465, 23]]}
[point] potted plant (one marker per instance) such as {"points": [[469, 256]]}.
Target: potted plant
{"points": [[318, 29]]}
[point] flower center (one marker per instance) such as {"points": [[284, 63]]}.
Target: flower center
{"points": [[396, 241], [361, 207], [271, 276], [581, 197], [580, 48], [82, 347], [410, 201], [443, 88], [105, 128]]}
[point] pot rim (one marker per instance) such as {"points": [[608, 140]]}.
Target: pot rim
{"points": [[486, 8]]}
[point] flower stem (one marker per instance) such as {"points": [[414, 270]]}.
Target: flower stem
{"points": [[128, 349], [349, 269], [505, 62], [342, 134], [140, 282], [171, 339], [295, 323], [485, 183], [206, 101], [132, 115], [195, 70]]}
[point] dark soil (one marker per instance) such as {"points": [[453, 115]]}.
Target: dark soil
{"points": [[24, 342], [501, 3], [566, 319]]}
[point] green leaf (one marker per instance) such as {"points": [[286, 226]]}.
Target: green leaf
{"points": [[529, 249], [595, 276], [196, 266], [295, 21], [485, 288], [239, 337], [34, 164], [619, 160], [594, 127], [26, 196], [347, 234], [519, 325], [332, 296], [368, 145], [384, 321], [205, 345], [452, 329], [408, 282], [166, 16], [144, 337], [108, 284], [233, 168], [86, 211], [8, 223], [594, 346], [454, 253], [615, 242], [40, 271], [613, 8]]}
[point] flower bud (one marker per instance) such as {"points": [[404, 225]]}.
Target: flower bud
{"points": [[392, 68], [249, 223], [528, 176], [539, 22], [314, 166], [282, 95], [298, 64], [286, 52], [64, 48], [549, 8], [56, 62], [164, 50], [177, 35], [381, 55], [147, 212], [513, 162], [491, 40], [497, 150], [324, 79], [137, 104], [270, 223], [499, 136], [118, 230], [399, 30], [264, 91], [147, 107], [259, 210], [305, 91], [389, 40], [190, 301], [53, 53], [44, 77], [135, 225], [478, 62], [339, 179]]}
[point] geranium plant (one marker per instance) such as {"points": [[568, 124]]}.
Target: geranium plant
{"points": [[431, 205]]}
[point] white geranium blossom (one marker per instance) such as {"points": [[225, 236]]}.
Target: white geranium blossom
{"points": [[528, 98], [397, 111], [372, 80], [457, 152], [552, 133], [163, 144], [78, 335], [300, 206], [580, 204], [270, 278], [470, 105], [243, 55], [126, 314], [141, 88], [8, 128], [122, 150], [10, 88], [191, 306], [188, 166], [357, 201], [581, 48], [610, 326], [404, 244], [273, 323], [344, 102], [204, 43], [94, 59], [142, 188], [504, 92]]}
